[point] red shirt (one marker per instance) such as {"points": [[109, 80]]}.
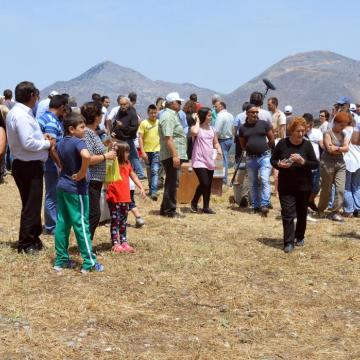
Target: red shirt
{"points": [[198, 106], [119, 191]]}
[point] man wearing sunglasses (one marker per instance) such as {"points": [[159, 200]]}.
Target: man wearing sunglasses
{"points": [[257, 137], [173, 145]]}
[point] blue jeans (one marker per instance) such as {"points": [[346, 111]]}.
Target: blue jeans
{"points": [[225, 148], [50, 213], [153, 165], [352, 191], [256, 165], [9, 158], [332, 197], [134, 160], [315, 180]]}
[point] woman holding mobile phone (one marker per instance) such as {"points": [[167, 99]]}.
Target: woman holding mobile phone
{"points": [[294, 157]]}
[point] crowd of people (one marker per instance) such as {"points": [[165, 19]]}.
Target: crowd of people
{"points": [[80, 152]]}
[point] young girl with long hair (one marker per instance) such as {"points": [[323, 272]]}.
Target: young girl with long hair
{"points": [[118, 198]]}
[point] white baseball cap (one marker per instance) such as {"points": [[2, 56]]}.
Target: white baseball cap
{"points": [[352, 107], [288, 109], [53, 93], [173, 96]]}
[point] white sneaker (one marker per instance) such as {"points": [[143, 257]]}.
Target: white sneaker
{"points": [[139, 222], [310, 218]]}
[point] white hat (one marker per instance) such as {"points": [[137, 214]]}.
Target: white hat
{"points": [[352, 107], [173, 96], [53, 93], [288, 109]]}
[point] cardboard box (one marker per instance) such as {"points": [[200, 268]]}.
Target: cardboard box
{"points": [[188, 183]]}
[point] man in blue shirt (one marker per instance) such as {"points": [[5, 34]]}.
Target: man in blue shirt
{"points": [[51, 123]]}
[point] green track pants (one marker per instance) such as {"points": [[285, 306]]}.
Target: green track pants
{"points": [[73, 211]]}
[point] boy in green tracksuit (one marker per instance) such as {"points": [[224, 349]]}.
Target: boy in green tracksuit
{"points": [[72, 197]]}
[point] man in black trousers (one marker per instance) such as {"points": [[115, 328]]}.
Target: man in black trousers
{"points": [[30, 149]]}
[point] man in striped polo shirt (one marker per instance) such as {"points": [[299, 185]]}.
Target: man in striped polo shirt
{"points": [[51, 123]]}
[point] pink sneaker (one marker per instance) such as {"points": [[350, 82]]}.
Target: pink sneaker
{"points": [[127, 248], [117, 248]]}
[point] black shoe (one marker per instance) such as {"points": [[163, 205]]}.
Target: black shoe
{"points": [[208, 211], [264, 210], [244, 202], [289, 248], [193, 208], [255, 210], [313, 206], [175, 215], [154, 197], [356, 213], [337, 218], [39, 245]]}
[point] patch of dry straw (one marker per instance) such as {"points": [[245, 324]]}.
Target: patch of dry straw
{"points": [[203, 287]]}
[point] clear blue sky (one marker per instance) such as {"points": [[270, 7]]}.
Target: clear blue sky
{"points": [[214, 44]]}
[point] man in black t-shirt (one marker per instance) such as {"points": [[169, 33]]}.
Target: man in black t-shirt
{"points": [[256, 137], [125, 128], [2, 147]]}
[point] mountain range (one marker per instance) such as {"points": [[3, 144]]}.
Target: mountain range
{"points": [[308, 81]]}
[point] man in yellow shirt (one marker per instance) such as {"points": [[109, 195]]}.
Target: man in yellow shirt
{"points": [[149, 142]]}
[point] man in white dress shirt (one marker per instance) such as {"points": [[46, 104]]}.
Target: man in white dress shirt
{"points": [[324, 117], [113, 112], [30, 149], [105, 102], [43, 105], [223, 127]]}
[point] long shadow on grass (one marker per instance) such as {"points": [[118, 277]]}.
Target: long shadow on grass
{"points": [[105, 246], [241, 209], [97, 248], [275, 243], [154, 212], [11, 244], [351, 235], [185, 210]]}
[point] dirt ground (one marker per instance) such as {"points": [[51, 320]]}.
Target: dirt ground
{"points": [[203, 287]]}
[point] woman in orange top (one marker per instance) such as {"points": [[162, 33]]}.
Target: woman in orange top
{"points": [[118, 199]]}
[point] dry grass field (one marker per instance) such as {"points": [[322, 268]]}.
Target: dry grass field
{"points": [[203, 287]]}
